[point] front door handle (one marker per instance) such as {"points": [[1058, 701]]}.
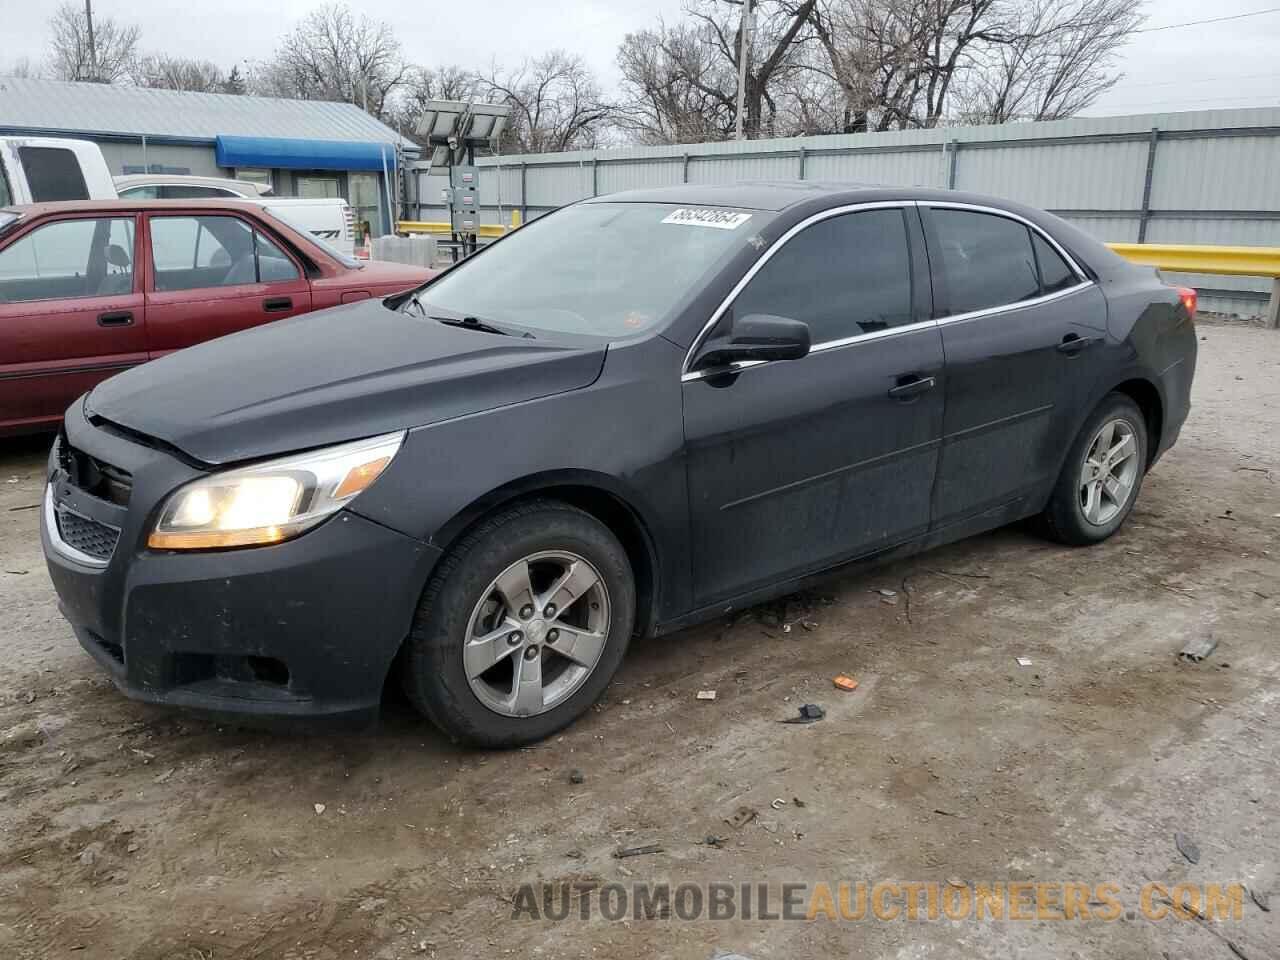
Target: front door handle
{"points": [[1073, 343], [277, 304], [913, 387], [122, 318]]}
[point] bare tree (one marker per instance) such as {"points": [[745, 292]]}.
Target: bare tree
{"points": [[114, 47], [677, 86], [334, 55], [23, 67], [178, 73], [556, 104]]}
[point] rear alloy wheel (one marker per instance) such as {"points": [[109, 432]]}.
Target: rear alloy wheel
{"points": [[1102, 474], [522, 627]]}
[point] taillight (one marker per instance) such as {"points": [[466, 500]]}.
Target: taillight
{"points": [[1189, 298]]}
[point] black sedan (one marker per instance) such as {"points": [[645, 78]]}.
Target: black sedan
{"points": [[636, 413]]}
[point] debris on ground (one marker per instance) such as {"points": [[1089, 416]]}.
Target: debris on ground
{"points": [[887, 596], [798, 802], [809, 624], [623, 852], [1260, 898], [809, 713], [712, 840], [575, 776], [319, 808], [574, 854], [706, 694], [778, 804], [741, 817], [92, 853], [1187, 847], [1198, 648], [1023, 661], [845, 683], [162, 777], [769, 826]]}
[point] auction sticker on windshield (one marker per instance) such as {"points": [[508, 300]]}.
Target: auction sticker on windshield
{"points": [[707, 217]]}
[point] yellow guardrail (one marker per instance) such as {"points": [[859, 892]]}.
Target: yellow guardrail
{"points": [[442, 226], [1223, 261]]}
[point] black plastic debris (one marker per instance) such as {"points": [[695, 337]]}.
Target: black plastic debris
{"points": [[809, 713], [1187, 847]]}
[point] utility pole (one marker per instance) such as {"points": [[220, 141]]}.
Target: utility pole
{"points": [[93, 51], [745, 28]]}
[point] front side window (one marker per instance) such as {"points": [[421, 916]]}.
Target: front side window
{"points": [[602, 269], [69, 259], [987, 259], [53, 173], [844, 276], [191, 253]]}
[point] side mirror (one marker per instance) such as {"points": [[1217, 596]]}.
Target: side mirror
{"points": [[759, 337]]}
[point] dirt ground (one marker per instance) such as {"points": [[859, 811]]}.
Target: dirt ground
{"points": [[129, 831]]}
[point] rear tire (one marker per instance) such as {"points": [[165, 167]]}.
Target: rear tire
{"points": [[522, 626], [1102, 475]]}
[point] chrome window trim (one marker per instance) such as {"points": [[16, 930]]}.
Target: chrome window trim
{"points": [[688, 376], [759, 265], [55, 536]]}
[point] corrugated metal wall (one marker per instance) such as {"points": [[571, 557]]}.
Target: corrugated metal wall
{"points": [[1200, 177]]}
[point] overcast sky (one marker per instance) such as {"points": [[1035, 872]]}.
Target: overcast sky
{"points": [[1227, 64]]}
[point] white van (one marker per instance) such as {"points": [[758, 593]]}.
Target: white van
{"points": [[40, 169]]}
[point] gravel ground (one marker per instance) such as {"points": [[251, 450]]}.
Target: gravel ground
{"points": [[133, 831]]}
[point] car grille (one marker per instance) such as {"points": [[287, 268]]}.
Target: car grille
{"points": [[94, 476], [97, 540]]}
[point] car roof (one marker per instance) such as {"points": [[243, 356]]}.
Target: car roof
{"points": [[122, 206], [778, 195]]}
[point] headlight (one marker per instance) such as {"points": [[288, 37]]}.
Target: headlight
{"points": [[272, 501]]}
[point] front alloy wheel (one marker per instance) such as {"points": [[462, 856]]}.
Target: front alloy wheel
{"points": [[522, 626]]}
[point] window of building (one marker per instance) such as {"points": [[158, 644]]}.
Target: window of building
{"points": [[191, 253], [254, 175], [842, 276], [68, 259], [53, 173]]}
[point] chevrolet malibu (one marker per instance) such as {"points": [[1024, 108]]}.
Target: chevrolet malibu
{"points": [[636, 413]]}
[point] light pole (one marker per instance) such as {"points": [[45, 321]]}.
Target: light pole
{"points": [[745, 29], [93, 52]]}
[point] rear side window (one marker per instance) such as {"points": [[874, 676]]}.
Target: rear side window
{"points": [[6, 195], [191, 253], [184, 191], [842, 276], [140, 193], [68, 259], [1054, 273], [987, 259], [53, 174]]}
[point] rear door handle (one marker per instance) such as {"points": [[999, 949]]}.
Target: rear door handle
{"points": [[276, 304], [911, 388], [1073, 343], [121, 319]]}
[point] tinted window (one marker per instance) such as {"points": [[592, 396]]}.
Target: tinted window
{"points": [[987, 259], [185, 191], [6, 197], [69, 259], [53, 174], [195, 252], [1054, 272], [843, 276]]}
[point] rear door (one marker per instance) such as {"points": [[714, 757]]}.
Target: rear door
{"points": [[213, 274], [71, 313], [1020, 323]]}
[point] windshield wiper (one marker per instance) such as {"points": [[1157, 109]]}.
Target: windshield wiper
{"points": [[472, 323]]}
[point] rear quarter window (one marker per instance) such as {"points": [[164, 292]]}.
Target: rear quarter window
{"points": [[53, 173]]}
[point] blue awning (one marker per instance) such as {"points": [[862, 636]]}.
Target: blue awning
{"points": [[279, 152]]}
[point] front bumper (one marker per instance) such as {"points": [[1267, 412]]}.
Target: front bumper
{"points": [[306, 629]]}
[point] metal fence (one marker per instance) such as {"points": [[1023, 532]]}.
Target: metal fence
{"points": [[1206, 177]]}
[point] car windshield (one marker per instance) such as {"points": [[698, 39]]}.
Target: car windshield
{"points": [[348, 261], [7, 219], [604, 269]]}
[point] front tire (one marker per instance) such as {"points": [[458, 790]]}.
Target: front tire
{"points": [[1102, 475], [522, 626]]}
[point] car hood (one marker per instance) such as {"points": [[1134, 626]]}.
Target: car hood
{"points": [[330, 376]]}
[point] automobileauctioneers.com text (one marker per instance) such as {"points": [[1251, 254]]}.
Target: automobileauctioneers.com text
{"points": [[886, 901]]}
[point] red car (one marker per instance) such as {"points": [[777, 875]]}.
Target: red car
{"points": [[89, 288]]}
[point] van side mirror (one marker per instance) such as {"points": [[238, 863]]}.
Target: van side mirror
{"points": [[758, 337]]}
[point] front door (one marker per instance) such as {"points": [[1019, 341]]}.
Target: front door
{"points": [[71, 314], [796, 465], [1017, 323], [216, 274]]}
